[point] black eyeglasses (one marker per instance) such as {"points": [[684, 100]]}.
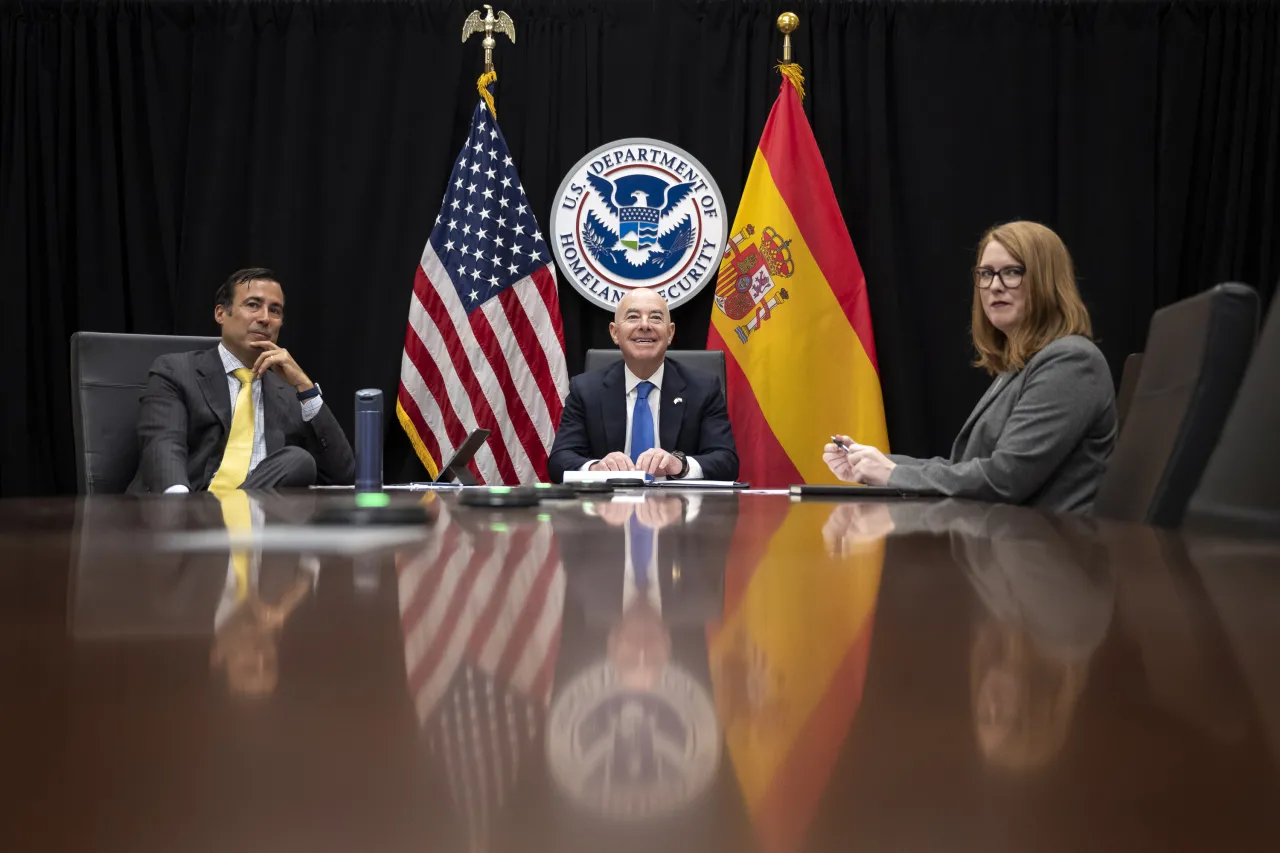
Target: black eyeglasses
{"points": [[1010, 277]]}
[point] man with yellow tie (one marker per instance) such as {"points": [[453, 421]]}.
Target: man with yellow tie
{"points": [[240, 415]]}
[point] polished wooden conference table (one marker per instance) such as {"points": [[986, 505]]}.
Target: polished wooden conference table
{"points": [[637, 671]]}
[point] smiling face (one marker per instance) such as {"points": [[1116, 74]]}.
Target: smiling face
{"points": [[1004, 305], [643, 330]]}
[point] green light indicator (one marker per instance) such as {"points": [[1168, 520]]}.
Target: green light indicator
{"points": [[372, 499]]}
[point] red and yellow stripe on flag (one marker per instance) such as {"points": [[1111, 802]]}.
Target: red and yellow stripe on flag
{"points": [[788, 664], [791, 314]]}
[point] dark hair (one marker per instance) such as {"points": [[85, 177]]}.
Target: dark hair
{"points": [[226, 293]]}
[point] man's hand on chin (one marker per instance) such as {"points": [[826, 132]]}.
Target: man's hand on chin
{"points": [[278, 360]]}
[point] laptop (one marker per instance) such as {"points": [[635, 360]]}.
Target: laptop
{"points": [[852, 490]]}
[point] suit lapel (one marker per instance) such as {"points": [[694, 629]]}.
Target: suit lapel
{"points": [[213, 385], [671, 413], [275, 400], [613, 408], [1002, 381]]}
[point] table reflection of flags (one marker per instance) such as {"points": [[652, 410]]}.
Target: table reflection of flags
{"points": [[481, 619], [788, 662]]}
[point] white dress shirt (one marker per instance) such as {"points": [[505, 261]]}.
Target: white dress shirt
{"points": [[655, 405], [310, 408]]}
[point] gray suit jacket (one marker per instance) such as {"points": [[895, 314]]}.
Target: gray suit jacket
{"points": [[1039, 437], [186, 415]]}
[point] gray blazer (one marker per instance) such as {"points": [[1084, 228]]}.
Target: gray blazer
{"points": [[1039, 437], [186, 414]]}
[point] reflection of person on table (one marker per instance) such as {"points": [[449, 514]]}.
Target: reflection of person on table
{"points": [[640, 642], [1047, 607], [684, 578], [254, 604], [855, 525]]}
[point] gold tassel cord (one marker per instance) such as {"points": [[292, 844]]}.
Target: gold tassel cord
{"points": [[488, 78], [795, 74]]}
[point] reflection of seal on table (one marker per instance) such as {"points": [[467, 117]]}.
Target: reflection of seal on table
{"points": [[633, 754]]}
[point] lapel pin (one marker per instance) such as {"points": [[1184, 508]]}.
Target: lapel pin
{"points": [[677, 401]]}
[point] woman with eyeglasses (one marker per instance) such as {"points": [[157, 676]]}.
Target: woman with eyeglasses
{"points": [[1042, 433]]}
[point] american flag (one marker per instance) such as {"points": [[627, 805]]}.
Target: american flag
{"points": [[484, 346], [493, 602], [481, 621], [482, 737]]}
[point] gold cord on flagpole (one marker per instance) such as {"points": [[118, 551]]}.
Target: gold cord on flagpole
{"points": [[488, 25], [482, 86], [787, 24]]}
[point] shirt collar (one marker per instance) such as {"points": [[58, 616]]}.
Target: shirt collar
{"points": [[229, 361], [633, 380]]}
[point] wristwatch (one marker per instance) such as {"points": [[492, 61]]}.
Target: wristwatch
{"points": [[684, 464], [313, 391]]}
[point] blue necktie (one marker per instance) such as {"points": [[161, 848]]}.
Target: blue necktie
{"points": [[641, 553], [641, 422]]}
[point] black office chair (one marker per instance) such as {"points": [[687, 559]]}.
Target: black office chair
{"points": [[1128, 382], [108, 375], [706, 360], [1196, 355], [1240, 490]]}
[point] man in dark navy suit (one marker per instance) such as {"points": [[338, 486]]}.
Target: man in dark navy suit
{"points": [[647, 413]]}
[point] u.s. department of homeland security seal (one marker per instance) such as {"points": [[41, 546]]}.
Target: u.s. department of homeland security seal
{"points": [[638, 213], [629, 753]]}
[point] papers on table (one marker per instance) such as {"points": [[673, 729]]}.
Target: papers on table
{"points": [[602, 476], [636, 478]]}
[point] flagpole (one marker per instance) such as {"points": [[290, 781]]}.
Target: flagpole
{"points": [[788, 22]]}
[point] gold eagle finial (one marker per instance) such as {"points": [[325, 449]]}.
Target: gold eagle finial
{"points": [[488, 25]]}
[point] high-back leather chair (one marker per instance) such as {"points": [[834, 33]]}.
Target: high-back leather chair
{"points": [[1197, 351], [1128, 382], [706, 360], [1240, 489], [108, 375]]}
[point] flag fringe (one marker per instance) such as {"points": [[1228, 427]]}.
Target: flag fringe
{"points": [[486, 80], [794, 73], [416, 440]]}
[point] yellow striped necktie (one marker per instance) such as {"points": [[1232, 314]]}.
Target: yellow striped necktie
{"points": [[235, 459], [237, 515]]}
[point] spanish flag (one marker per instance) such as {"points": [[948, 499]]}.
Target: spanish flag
{"points": [[789, 661], [791, 312]]}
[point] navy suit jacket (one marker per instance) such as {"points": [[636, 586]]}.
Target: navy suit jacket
{"points": [[594, 422]]}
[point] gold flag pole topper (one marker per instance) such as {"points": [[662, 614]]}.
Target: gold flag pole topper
{"points": [[787, 24], [488, 25]]}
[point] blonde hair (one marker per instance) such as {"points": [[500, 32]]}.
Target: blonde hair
{"points": [[1053, 309]]}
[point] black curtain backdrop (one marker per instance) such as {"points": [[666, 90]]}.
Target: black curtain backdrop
{"points": [[149, 149]]}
